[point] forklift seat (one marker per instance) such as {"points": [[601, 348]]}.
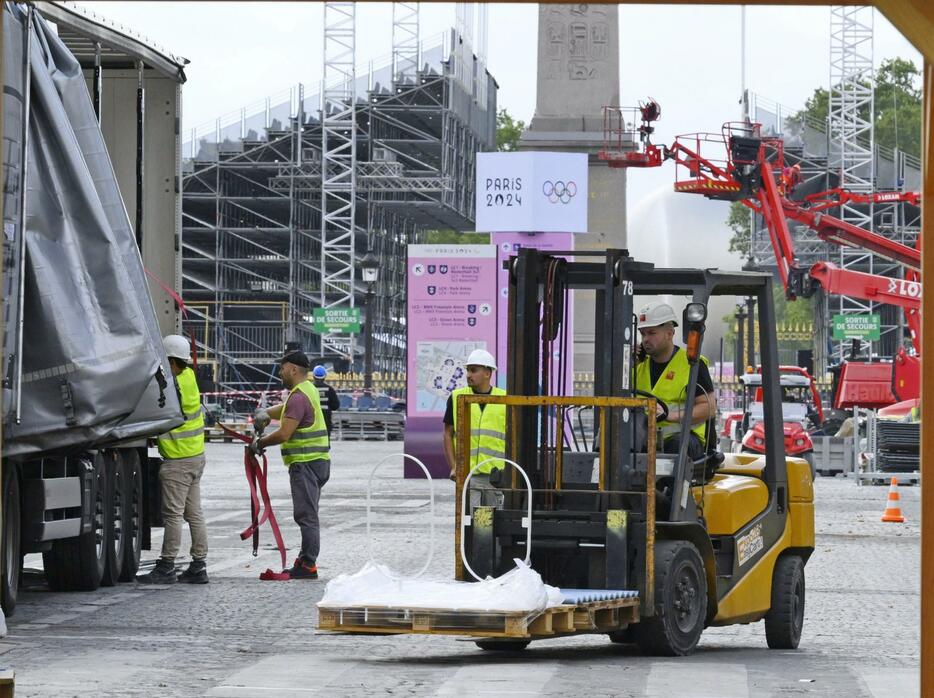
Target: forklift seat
{"points": [[751, 464]]}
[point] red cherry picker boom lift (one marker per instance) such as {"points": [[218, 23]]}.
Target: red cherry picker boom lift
{"points": [[739, 164]]}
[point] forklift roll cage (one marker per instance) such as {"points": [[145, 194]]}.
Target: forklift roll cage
{"points": [[616, 278]]}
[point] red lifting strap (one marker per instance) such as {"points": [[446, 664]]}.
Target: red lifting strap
{"points": [[256, 477]]}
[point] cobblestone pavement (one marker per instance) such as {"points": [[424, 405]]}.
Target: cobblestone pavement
{"points": [[239, 636]]}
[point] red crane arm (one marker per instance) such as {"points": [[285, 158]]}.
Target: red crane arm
{"points": [[775, 209], [840, 232], [904, 293], [832, 198], [769, 205]]}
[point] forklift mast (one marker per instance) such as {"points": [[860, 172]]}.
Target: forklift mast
{"points": [[538, 302]]}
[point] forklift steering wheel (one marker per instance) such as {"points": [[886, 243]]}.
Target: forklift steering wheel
{"points": [[661, 403]]}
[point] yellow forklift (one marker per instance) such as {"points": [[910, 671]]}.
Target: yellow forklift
{"points": [[648, 548]]}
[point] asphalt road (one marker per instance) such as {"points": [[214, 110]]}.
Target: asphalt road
{"points": [[239, 636]]}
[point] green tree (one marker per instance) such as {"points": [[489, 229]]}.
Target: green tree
{"points": [[508, 131], [452, 237], [796, 312], [738, 222], [897, 102], [898, 106]]}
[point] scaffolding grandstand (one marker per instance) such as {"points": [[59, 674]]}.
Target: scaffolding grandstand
{"points": [[282, 199]]}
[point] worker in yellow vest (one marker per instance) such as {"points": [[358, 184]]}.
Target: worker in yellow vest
{"points": [[664, 372], [487, 427], [182, 451], [306, 452]]}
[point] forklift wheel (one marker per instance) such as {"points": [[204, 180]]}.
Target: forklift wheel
{"points": [[680, 601], [785, 619], [503, 645]]}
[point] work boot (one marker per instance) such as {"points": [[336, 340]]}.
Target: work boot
{"points": [[301, 570], [162, 573], [195, 574]]}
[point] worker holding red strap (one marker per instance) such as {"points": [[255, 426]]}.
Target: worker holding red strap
{"points": [[305, 451]]}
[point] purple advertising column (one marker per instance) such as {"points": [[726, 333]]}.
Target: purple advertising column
{"points": [[508, 245], [451, 311]]}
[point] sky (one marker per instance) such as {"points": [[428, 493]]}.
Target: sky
{"points": [[687, 58]]}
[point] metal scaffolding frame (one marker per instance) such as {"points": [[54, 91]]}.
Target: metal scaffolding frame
{"points": [[339, 168], [852, 133], [254, 261], [404, 42]]}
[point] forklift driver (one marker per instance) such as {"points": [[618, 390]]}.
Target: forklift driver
{"points": [[664, 373]]}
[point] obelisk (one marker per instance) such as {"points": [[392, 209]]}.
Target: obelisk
{"points": [[578, 75]]}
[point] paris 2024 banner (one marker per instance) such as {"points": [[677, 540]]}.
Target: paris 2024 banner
{"points": [[458, 294]]}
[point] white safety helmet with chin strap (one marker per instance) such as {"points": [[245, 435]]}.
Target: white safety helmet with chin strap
{"points": [[481, 357], [177, 347], [655, 314]]}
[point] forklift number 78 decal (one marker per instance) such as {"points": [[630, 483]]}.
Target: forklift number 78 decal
{"points": [[748, 545]]}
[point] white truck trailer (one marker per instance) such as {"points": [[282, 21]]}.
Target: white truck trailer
{"points": [[91, 203]]}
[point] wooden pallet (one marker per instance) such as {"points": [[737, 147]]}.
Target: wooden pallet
{"points": [[594, 617]]}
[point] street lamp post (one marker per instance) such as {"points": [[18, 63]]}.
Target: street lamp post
{"points": [[369, 270], [751, 266], [739, 354]]}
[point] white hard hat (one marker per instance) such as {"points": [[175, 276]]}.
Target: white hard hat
{"points": [[177, 347], [655, 314], [481, 357]]}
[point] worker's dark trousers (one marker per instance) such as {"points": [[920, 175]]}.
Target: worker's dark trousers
{"points": [[695, 446], [306, 480]]}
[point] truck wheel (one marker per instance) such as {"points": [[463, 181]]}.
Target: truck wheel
{"points": [[503, 645], [680, 601], [132, 514], [10, 551], [77, 564], [115, 502], [785, 619]]}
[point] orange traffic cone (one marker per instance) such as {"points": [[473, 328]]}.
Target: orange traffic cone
{"points": [[893, 510]]}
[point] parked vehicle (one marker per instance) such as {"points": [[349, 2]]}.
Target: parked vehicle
{"points": [[86, 381], [802, 414]]}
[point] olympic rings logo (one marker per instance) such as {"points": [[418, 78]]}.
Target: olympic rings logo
{"points": [[559, 191]]}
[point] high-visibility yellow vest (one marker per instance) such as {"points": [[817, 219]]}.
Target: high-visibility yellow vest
{"points": [[671, 388], [186, 440], [307, 443], [487, 431]]}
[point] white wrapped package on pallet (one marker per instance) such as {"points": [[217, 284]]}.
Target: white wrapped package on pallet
{"points": [[373, 586]]}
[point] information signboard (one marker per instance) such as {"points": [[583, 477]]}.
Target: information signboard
{"points": [[863, 326], [344, 320], [452, 310]]}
